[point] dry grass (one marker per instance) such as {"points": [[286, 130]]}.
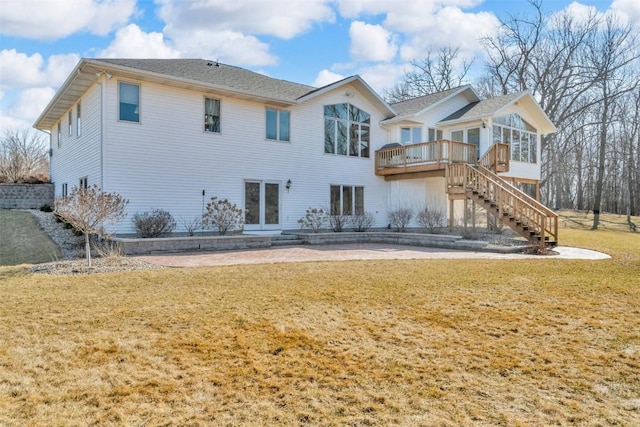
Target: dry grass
{"points": [[422, 342], [22, 241]]}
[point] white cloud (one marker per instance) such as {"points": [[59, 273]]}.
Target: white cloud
{"points": [[45, 20], [371, 42], [20, 70], [132, 42], [382, 76], [628, 8], [451, 27], [326, 77], [281, 18], [227, 46], [30, 103]]}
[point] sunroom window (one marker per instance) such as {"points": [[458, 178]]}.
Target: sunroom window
{"points": [[346, 130], [520, 135], [410, 135]]}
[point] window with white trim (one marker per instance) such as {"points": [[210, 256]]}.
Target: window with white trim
{"points": [[128, 102], [347, 200], [410, 135], [212, 115], [520, 135], [277, 124], [457, 135], [78, 119], [84, 182], [59, 134], [434, 135], [70, 123], [65, 190], [346, 130]]}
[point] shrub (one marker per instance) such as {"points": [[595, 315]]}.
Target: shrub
{"points": [[362, 222], [400, 217], [191, 225], [337, 221], [46, 208], [313, 219], [156, 223], [431, 218], [223, 216]]}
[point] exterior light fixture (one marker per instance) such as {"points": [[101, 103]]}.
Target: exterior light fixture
{"points": [[288, 185]]}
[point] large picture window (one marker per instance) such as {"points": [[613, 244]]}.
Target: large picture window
{"points": [[129, 99], [411, 135], [346, 130], [212, 115], [347, 200], [520, 135], [277, 124]]}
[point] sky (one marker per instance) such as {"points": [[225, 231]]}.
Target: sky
{"points": [[313, 42]]}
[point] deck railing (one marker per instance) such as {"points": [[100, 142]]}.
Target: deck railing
{"points": [[496, 159], [507, 198], [435, 153]]}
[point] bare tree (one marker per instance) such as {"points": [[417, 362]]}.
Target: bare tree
{"points": [[88, 209], [613, 57], [23, 154], [436, 72]]}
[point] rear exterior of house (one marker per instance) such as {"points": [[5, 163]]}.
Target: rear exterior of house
{"points": [[171, 134]]}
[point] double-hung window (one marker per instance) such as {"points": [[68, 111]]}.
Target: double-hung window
{"points": [[347, 200], [278, 122], [129, 102], [346, 130], [212, 115]]}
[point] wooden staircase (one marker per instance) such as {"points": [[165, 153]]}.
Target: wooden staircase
{"points": [[508, 204]]}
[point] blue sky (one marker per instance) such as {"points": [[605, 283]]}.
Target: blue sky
{"points": [[307, 41]]}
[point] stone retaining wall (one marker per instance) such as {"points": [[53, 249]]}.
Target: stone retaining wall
{"points": [[412, 239], [191, 244], [26, 196]]}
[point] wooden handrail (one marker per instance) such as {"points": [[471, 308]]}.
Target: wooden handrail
{"points": [[496, 158], [507, 198], [435, 152]]}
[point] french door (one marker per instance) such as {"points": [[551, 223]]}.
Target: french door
{"points": [[262, 205]]}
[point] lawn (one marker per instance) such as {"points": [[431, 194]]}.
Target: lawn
{"points": [[22, 241], [409, 343]]}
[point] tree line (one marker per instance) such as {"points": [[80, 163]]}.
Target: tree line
{"points": [[585, 74]]}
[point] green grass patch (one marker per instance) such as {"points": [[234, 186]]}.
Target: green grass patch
{"points": [[22, 241]]}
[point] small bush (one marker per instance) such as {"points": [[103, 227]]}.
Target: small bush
{"points": [[156, 223], [400, 217], [362, 222], [223, 216], [46, 208], [313, 219], [191, 225], [431, 218], [337, 222]]}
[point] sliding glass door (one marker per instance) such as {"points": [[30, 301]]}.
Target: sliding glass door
{"points": [[262, 205]]}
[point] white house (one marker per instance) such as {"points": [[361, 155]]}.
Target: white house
{"points": [[172, 133]]}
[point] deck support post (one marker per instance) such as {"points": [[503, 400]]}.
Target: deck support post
{"points": [[451, 205], [466, 206], [473, 214]]}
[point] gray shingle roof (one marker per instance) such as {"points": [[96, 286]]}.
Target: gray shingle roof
{"points": [[414, 105], [220, 75], [484, 108]]}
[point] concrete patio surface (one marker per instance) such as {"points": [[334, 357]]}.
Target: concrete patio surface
{"points": [[344, 252]]}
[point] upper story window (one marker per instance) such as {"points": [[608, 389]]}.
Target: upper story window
{"points": [[520, 135], [346, 130], [129, 102], [70, 123], [211, 115], [457, 135], [78, 119], [84, 182], [64, 190], [277, 124], [59, 134], [412, 135], [434, 135]]}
